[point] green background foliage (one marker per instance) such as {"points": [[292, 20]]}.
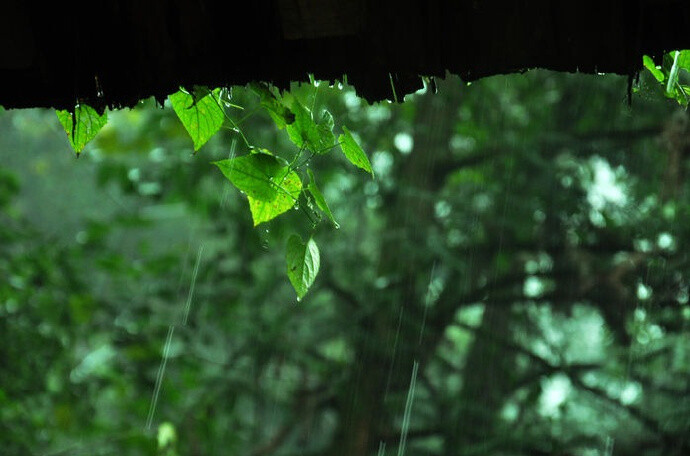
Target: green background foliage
{"points": [[512, 282]]}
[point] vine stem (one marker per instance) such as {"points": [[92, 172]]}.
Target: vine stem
{"points": [[234, 126], [673, 75]]}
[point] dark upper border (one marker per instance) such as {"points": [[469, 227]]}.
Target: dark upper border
{"points": [[115, 53]]}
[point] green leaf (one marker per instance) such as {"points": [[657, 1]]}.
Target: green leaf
{"points": [[325, 140], [651, 66], [353, 152], [87, 125], [200, 114], [274, 105], [303, 263], [319, 199], [271, 187], [300, 130], [305, 133]]}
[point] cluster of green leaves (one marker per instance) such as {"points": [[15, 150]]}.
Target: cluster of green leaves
{"points": [[673, 74], [272, 184]]}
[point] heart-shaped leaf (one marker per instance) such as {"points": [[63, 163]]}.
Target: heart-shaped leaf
{"points": [[303, 263], [81, 126], [200, 114]]}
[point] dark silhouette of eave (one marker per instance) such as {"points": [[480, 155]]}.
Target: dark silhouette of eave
{"points": [[115, 53]]}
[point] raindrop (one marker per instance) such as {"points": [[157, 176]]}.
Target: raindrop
{"points": [[408, 409], [159, 377], [195, 273]]}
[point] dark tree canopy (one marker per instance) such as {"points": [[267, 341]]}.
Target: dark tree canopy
{"points": [[117, 52]]}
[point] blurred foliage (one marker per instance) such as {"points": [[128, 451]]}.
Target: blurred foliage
{"points": [[512, 282]]}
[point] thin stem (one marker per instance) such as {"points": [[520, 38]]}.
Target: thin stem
{"points": [[311, 155], [673, 75], [234, 126], [297, 155]]}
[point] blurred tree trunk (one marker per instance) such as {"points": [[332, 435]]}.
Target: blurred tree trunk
{"points": [[675, 139], [389, 340], [486, 383]]}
